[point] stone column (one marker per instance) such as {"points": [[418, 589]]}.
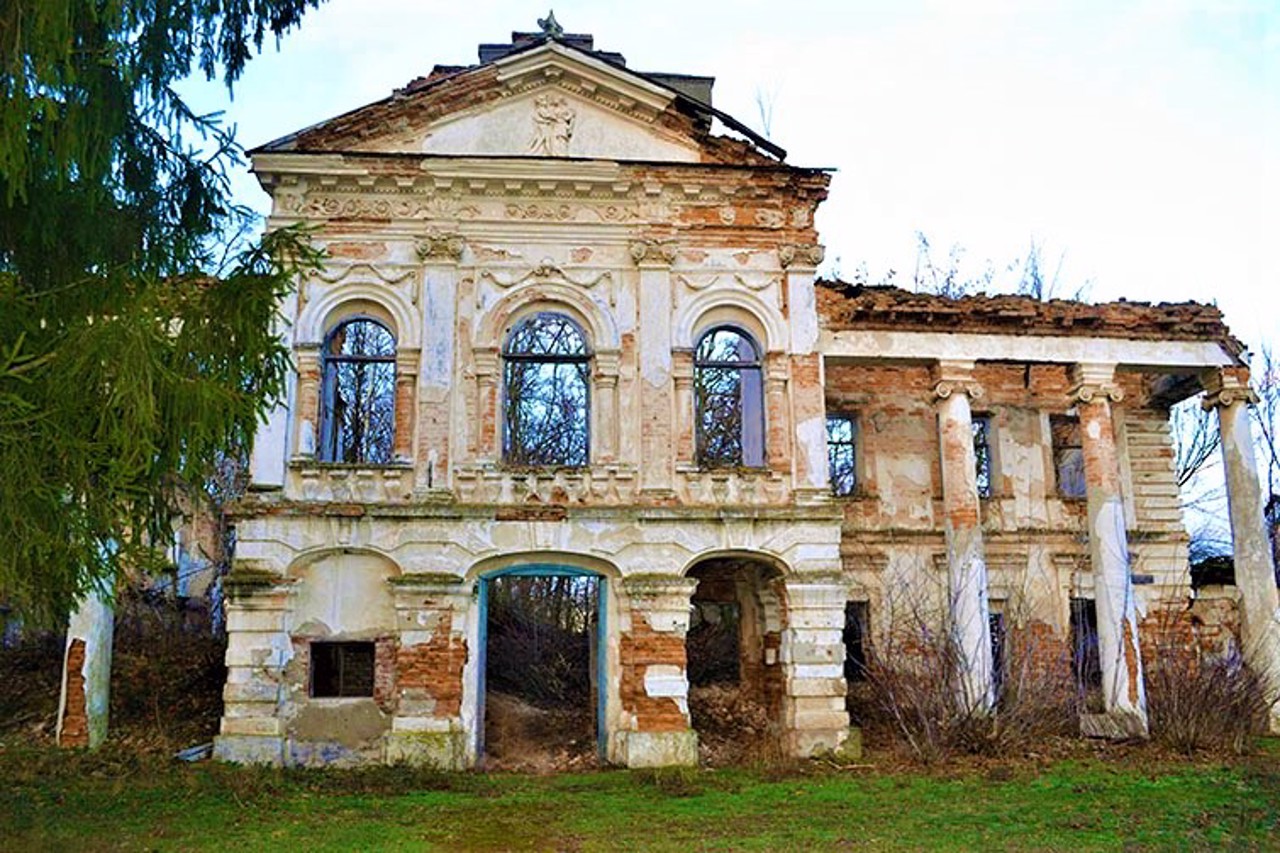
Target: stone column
{"points": [[812, 654], [654, 686], [486, 428], [605, 406], [683, 374], [1228, 391], [405, 404], [966, 560], [657, 468], [1124, 693], [431, 724], [307, 436], [258, 648], [777, 416], [86, 674], [271, 441], [440, 255]]}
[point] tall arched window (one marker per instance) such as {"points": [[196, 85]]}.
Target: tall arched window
{"points": [[546, 370], [728, 399], [358, 421]]}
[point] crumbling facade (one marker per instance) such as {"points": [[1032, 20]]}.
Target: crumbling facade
{"points": [[563, 326]]}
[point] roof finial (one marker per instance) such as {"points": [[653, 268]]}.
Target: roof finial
{"points": [[550, 26]]}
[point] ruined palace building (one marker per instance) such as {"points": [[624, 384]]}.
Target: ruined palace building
{"points": [[569, 324]]}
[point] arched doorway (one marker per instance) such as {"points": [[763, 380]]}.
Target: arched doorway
{"points": [[541, 666], [733, 648]]}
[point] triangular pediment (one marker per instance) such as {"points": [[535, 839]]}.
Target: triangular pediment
{"points": [[550, 100]]}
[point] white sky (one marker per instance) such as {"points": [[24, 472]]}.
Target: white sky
{"points": [[1140, 138]]}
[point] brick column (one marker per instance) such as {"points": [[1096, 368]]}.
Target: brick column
{"points": [[430, 725], [86, 674], [657, 456], [812, 655], [258, 649], [1123, 690], [654, 686], [966, 560], [1228, 391], [777, 419], [682, 369]]}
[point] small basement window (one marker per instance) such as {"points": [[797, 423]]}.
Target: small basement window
{"points": [[341, 670]]}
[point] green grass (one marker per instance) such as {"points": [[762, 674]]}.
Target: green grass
{"points": [[52, 800]]}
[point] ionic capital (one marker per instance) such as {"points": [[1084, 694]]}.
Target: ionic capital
{"points": [[1227, 386], [1094, 381], [955, 376], [441, 248], [653, 252], [801, 254]]}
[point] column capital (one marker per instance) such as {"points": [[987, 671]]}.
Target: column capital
{"points": [[1094, 380], [486, 362], [955, 375], [653, 253], [801, 254], [435, 247], [1226, 386]]}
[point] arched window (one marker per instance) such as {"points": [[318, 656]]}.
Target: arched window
{"points": [[728, 400], [546, 371], [358, 422]]}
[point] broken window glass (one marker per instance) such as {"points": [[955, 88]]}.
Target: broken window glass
{"points": [[547, 371], [842, 458], [982, 453], [1068, 455], [358, 423], [729, 400], [342, 669]]}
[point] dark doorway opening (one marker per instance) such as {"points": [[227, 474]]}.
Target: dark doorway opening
{"points": [[733, 651], [541, 664]]}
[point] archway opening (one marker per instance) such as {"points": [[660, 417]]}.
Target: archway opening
{"points": [[542, 708], [734, 661]]}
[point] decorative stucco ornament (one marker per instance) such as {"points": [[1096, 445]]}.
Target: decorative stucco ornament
{"points": [[552, 126], [550, 26]]}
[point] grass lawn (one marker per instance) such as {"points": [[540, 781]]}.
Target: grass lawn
{"points": [[53, 800]]}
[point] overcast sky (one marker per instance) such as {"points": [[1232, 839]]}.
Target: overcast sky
{"points": [[1138, 138]]}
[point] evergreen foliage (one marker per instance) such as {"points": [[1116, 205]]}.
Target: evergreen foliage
{"points": [[135, 348]]}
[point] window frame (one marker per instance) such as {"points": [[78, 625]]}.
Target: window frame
{"points": [[510, 358], [987, 431], [329, 366], [854, 446], [339, 647], [1055, 451], [743, 367]]}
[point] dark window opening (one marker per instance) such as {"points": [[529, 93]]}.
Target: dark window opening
{"points": [[996, 623], [982, 454], [1086, 666], [341, 670], [547, 367], [842, 458], [1068, 455], [358, 420], [728, 400], [857, 615]]}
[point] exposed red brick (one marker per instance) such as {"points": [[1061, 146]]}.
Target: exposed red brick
{"points": [[435, 667], [638, 649], [75, 716]]}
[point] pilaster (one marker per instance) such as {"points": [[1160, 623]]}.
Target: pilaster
{"points": [[654, 685], [812, 655], [657, 469]]}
